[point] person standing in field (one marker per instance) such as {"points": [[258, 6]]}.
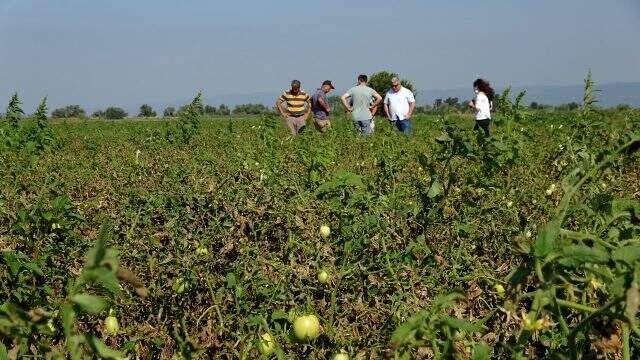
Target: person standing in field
{"points": [[399, 104], [294, 106], [361, 107], [482, 104], [321, 108]]}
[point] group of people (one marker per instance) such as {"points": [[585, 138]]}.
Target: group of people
{"points": [[362, 102]]}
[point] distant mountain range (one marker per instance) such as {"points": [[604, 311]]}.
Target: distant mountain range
{"points": [[609, 94]]}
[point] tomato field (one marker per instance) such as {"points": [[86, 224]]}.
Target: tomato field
{"points": [[201, 238]]}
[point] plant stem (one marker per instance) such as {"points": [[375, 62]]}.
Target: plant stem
{"points": [[576, 306], [626, 351]]}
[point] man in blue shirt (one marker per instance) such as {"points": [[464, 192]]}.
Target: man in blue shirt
{"points": [[321, 108]]}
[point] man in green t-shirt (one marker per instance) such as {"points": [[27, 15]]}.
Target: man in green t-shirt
{"points": [[361, 107]]}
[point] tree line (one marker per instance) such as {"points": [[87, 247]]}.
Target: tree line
{"points": [[379, 81]]}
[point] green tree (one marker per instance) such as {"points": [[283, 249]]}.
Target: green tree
{"points": [[115, 113], [452, 101], [69, 111], [335, 104], [169, 112], [98, 114], [210, 110], [381, 82], [146, 111], [223, 110], [251, 109]]}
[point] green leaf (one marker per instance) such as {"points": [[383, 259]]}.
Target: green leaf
{"points": [[90, 303], [99, 250], [279, 315], [461, 324], [576, 255], [444, 137], [481, 351], [545, 243], [16, 260], [617, 287], [435, 189], [407, 331], [11, 260], [102, 350], [3, 352], [68, 315], [107, 279], [231, 280], [448, 299], [629, 254]]}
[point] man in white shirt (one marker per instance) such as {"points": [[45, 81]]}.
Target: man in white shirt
{"points": [[399, 104]]}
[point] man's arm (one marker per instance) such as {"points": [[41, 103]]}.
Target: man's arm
{"points": [[324, 104], [412, 107], [386, 111], [344, 102], [279, 101], [377, 98], [308, 106]]}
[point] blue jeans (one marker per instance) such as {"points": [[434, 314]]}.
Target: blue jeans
{"points": [[363, 127], [403, 125]]}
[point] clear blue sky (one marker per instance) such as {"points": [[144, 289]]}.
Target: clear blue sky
{"points": [[97, 53]]}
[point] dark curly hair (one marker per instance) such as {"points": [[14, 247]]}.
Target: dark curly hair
{"points": [[485, 87]]}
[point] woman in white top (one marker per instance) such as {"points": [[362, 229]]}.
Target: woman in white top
{"points": [[482, 104]]}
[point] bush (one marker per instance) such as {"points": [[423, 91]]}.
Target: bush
{"points": [[115, 113]]}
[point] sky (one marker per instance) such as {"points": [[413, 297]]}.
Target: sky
{"points": [[122, 52]]}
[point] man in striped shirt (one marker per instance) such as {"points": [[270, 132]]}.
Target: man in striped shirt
{"points": [[294, 106]]}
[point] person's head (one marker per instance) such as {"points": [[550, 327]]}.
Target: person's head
{"points": [[396, 85], [295, 86], [327, 86], [363, 79], [481, 85]]}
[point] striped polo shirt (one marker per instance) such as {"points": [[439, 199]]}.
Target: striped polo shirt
{"points": [[295, 103]]}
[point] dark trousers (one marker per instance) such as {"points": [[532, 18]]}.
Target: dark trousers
{"points": [[484, 125]]}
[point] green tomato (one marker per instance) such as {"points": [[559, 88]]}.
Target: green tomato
{"points": [[499, 289], [267, 344], [306, 328], [178, 285], [51, 326], [111, 325], [325, 231], [323, 276], [340, 356]]}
